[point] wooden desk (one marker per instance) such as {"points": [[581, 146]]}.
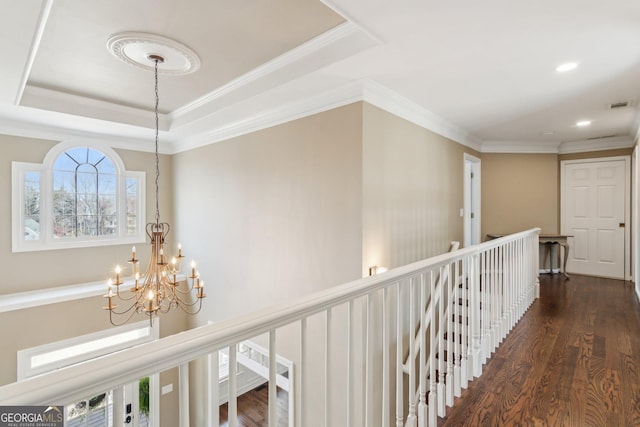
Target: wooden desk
{"points": [[549, 240]]}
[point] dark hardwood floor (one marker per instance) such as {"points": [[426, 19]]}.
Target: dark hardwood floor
{"points": [[572, 360], [253, 408]]}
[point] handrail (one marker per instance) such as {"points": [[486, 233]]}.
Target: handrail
{"points": [[76, 382]]}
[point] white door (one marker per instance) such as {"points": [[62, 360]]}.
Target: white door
{"points": [[471, 211], [593, 212]]}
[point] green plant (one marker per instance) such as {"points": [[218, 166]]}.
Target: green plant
{"points": [[144, 395]]}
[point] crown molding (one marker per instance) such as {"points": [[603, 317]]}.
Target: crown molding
{"points": [[550, 147], [116, 136], [325, 101], [528, 147], [351, 19], [63, 102], [35, 44], [601, 144], [382, 97]]}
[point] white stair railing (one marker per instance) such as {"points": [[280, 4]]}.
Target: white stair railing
{"points": [[367, 325]]}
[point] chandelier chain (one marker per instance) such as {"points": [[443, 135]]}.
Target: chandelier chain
{"points": [[156, 147]]}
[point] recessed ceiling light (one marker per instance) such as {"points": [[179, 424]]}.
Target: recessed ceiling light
{"points": [[567, 66], [583, 123]]}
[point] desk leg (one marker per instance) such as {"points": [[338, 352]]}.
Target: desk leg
{"points": [[547, 256], [566, 257]]}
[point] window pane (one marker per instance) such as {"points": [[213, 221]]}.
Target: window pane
{"points": [[79, 154], [64, 181], [31, 208], [132, 206], [87, 225], [106, 184], [87, 182], [64, 226], [87, 204], [107, 205], [106, 166], [65, 163], [107, 225]]}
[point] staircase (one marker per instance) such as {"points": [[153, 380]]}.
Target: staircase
{"points": [[423, 330]]}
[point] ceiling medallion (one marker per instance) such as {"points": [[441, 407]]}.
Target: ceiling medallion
{"points": [[135, 49]]}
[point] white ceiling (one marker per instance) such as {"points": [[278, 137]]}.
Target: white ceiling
{"points": [[482, 73]]}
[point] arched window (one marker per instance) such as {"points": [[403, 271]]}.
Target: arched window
{"points": [[80, 196]]}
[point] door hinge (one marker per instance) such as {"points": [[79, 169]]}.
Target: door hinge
{"points": [[621, 225], [472, 215]]}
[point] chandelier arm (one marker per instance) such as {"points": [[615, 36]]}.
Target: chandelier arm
{"points": [[111, 313], [191, 304], [182, 307], [123, 298], [185, 292]]}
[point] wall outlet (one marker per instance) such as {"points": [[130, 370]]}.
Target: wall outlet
{"points": [[167, 389]]}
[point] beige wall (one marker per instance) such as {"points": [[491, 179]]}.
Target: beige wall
{"points": [[519, 192], [412, 190], [29, 271]]}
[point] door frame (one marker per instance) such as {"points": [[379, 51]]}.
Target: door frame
{"points": [[635, 221], [471, 204], [627, 202]]}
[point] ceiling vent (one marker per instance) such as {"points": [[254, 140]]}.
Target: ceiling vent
{"points": [[604, 137], [620, 104]]}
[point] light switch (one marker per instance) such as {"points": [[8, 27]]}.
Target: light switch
{"points": [[461, 212], [167, 389]]}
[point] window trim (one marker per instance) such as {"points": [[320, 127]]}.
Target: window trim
{"points": [[46, 240], [26, 357]]}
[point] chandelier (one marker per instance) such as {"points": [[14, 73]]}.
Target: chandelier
{"points": [[158, 289]]}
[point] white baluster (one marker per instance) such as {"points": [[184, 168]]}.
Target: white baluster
{"points": [[213, 389], [457, 298], [411, 417], [452, 356], [302, 378], [433, 398], [273, 392], [368, 383], [422, 405], [399, 358], [350, 359], [464, 323], [183, 405], [386, 404], [441, 347], [233, 387]]}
